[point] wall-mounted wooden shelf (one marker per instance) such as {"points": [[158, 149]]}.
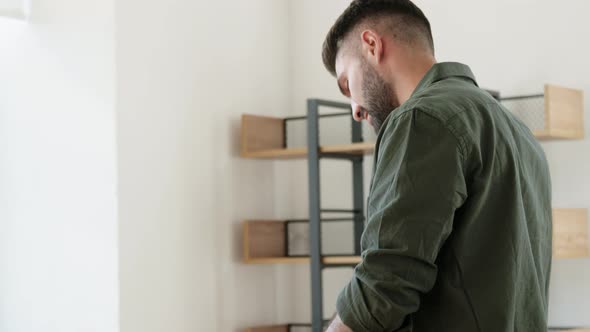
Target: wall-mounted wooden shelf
{"points": [[558, 113], [570, 233], [265, 243], [265, 240], [263, 137]]}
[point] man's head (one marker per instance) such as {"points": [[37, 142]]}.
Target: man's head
{"points": [[378, 50]]}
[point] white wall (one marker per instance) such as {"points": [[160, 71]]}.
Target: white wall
{"points": [[58, 234], [186, 72], [512, 46]]}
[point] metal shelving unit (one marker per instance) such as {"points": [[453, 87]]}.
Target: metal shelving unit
{"points": [[315, 209], [267, 241]]}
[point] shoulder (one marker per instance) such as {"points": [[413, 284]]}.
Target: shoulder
{"points": [[417, 129], [453, 108], [446, 100]]}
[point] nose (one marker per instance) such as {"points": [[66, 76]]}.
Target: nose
{"points": [[357, 111]]}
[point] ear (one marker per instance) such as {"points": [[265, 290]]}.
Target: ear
{"points": [[372, 46]]}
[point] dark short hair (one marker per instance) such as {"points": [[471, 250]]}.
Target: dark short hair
{"points": [[409, 23]]}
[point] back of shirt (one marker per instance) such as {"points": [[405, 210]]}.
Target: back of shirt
{"points": [[499, 252]]}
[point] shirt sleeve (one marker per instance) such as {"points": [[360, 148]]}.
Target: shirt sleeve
{"points": [[418, 183]]}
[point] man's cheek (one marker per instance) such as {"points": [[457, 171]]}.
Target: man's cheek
{"points": [[356, 90]]}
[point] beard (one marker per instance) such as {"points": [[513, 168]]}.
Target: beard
{"points": [[378, 95]]}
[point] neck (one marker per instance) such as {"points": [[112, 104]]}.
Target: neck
{"points": [[406, 80]]}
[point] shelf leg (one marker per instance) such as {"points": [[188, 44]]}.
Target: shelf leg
{"points": [[314, 215], [357, 189]]}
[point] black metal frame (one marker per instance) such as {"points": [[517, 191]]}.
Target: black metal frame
{"points": [[522, 97], [296, 118], [305, 221], [496, 95], [315, 211]]}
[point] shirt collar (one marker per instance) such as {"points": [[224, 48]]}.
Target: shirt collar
{"points": [[444, 70]]}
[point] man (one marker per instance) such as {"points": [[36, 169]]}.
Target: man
{"points": [[458, 236]]}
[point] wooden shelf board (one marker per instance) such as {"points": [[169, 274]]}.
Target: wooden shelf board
{"points": [[276, 153], [353, 148], [328, 260], [291, 153], [544, 135]]}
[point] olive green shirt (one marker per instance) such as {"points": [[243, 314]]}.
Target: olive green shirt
{"points": [[458, 236]]}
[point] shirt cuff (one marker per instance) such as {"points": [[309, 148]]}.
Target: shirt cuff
{"points": [[344, 307]]}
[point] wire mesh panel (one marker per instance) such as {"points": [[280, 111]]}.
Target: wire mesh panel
{"points": [[334, 130], [531, 110], [336, 238], [556, 113], [298, 239]]}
